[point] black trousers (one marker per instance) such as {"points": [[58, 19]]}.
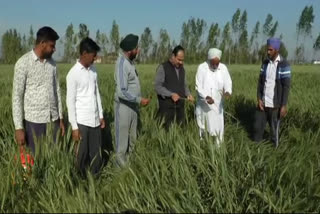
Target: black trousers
{"points": [[270, 115], [89, 154], [170, 112], [36, 131]]}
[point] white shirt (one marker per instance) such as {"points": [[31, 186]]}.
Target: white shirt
{"points": [[83, 97], [270, 82], [213, 83]]}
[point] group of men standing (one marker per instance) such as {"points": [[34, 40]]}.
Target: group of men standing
{"points": [[37, 106]]}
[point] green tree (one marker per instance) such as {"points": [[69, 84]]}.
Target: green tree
{"points": [[31, 39], [304, 28], [104, 42], [242, 55], [69, 52], [254, 43], [164, 47], [316, 46], [24, 44], [191, 39], [11, 48], [226, 43], [115, 38], [213, 36], [235, 26], [145, 45]]}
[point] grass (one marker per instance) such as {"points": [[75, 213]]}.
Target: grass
{"points": [[174, 171]]}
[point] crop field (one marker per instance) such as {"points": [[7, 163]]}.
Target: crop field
{"points": [[174, 171]]}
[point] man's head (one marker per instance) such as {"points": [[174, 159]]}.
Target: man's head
{"points": [[129, 45], [88, 51], [177, 57], [214, 56], [273, 45], [46, 42]]}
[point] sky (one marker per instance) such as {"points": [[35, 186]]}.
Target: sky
{"points": [[134, 16]]}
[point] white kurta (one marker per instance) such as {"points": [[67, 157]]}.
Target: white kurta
{"points": [[213, 83]]}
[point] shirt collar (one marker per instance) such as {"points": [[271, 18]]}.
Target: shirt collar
{"points": [[122, 54], [34, 56], [82, 67], [276, 60]]}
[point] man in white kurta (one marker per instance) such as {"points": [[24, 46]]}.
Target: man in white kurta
{"points": [[213, 83]]}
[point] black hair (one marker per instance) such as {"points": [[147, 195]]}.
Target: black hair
{"points": [[46, 34], [176, 50], [89, 46]]}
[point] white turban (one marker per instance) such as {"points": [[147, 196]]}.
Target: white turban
{"points": [[214, 53]]}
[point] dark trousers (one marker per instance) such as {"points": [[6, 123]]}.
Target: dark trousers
{"points": [[36, 131], [270, 115], [89, 154], [171, 112]]}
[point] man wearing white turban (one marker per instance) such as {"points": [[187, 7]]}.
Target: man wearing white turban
{"points": [[213, 83]]}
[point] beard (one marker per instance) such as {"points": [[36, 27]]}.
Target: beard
{"points": [[132, 57], [47, 55]]}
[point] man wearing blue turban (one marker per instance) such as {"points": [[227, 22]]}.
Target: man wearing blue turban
{"points": [[272, 93]]}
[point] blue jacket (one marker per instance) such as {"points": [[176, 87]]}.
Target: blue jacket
{"points": [[282, 86]]}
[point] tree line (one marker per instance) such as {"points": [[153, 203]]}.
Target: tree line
{"points": [[197, 36]]}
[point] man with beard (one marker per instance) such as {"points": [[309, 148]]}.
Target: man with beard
{"points": [[36, 99], [213, 84], [85, 109], [172, 88], [272, 92], [127, 99]]}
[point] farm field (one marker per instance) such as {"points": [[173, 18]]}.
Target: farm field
{"points": [[175, 171]]}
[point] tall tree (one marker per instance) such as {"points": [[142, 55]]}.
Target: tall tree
{"points": [[254, 43], [243, 39], [11, 48], [226, 43], [69, 52], [235, 25], [273, 30], [24, 44], [104, 42], [145, 45], [31, 39], [267, 26], [164, 46], [83, 31], [304, 28], [213, 36], [191, 36], [316, 46], [98, 38], [154, 53], [115, 37]]}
